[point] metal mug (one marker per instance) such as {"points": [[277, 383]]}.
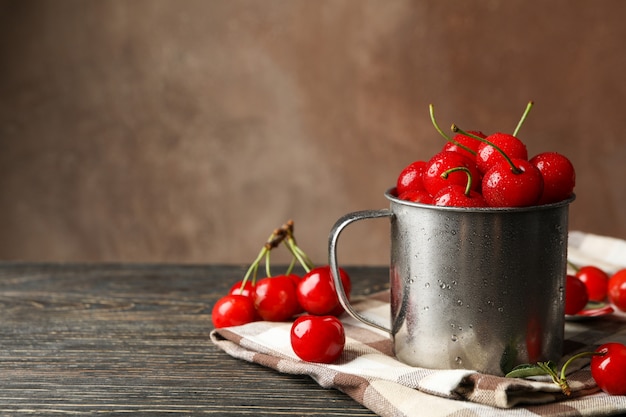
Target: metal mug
{"points": [[471, 288]]}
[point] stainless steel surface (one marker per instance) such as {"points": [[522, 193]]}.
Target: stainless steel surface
{"points": [[475, 289]]}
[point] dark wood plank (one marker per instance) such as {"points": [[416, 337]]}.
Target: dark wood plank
{"points": [[86, 339]]}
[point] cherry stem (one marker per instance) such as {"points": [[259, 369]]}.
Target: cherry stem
{"points": [[514, 169], [431, 109], [298, 254], [468, 186], [521, 121], [253, 268], [283, 234], [562, 380], [573, 266]]}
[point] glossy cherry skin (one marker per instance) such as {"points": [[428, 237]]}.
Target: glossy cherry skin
{"points": [[454, 196], [316, 291], [488, 156], [617, 289], [444, 161], [318, 339], [410, 179], [467, 141], [248, 289], [276, 299], [559, 176], [609, 370], [416, 196], [576, 296], [233, 310], [502, 187], [596, 281]]}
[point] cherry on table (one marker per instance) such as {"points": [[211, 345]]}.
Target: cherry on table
{"points": [[609, 369], [233, 310], [596, 281], [576, 296], [316, 291], [317, 338], [617, 289], [276, 299]]}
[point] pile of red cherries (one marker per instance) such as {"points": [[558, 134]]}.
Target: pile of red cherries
{"points": [[476, 170], [310, 300]]}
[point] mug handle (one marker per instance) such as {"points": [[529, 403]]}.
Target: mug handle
{"points": [[334, 267]]}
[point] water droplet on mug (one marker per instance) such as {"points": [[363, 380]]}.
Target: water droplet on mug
{"points": [[501, 309], [480, 310], [458, 360], [454, 338], [459, 302], [425, 308], [427, 285]]}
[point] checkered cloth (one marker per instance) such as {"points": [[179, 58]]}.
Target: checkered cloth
{"points": [[369, 373]]}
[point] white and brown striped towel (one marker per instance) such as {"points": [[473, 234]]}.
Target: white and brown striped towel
{"points": [[368, 372]]}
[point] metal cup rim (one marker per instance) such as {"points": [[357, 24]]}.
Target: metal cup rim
{"points": [[390, 194]]}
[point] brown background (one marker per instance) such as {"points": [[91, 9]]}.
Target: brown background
{"points": [[186, 131]]}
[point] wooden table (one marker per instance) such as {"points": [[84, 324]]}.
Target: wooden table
{"points": [[93, 338]]}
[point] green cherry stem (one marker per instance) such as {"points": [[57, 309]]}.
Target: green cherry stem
{"points": [[431, 109], [514, 169], [521, 121], [291, 266], [253, 268], [298, 254], [468, 186], [573, 265], [562, 380]]}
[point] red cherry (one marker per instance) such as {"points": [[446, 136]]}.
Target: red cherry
{"points": [[458, 195], [558, 174], [454, 196], [316, 291], [504, 187], [247, 291], [416, 196], [318, 339], [464, 144], [410, 178], [576, 296], [616, 291], [609, 370], [596, 280], [276, 299], [488, 156], [233, 310], [444, 161]]}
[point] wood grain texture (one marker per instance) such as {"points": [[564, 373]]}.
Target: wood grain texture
{"points": [[87, 339]]}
